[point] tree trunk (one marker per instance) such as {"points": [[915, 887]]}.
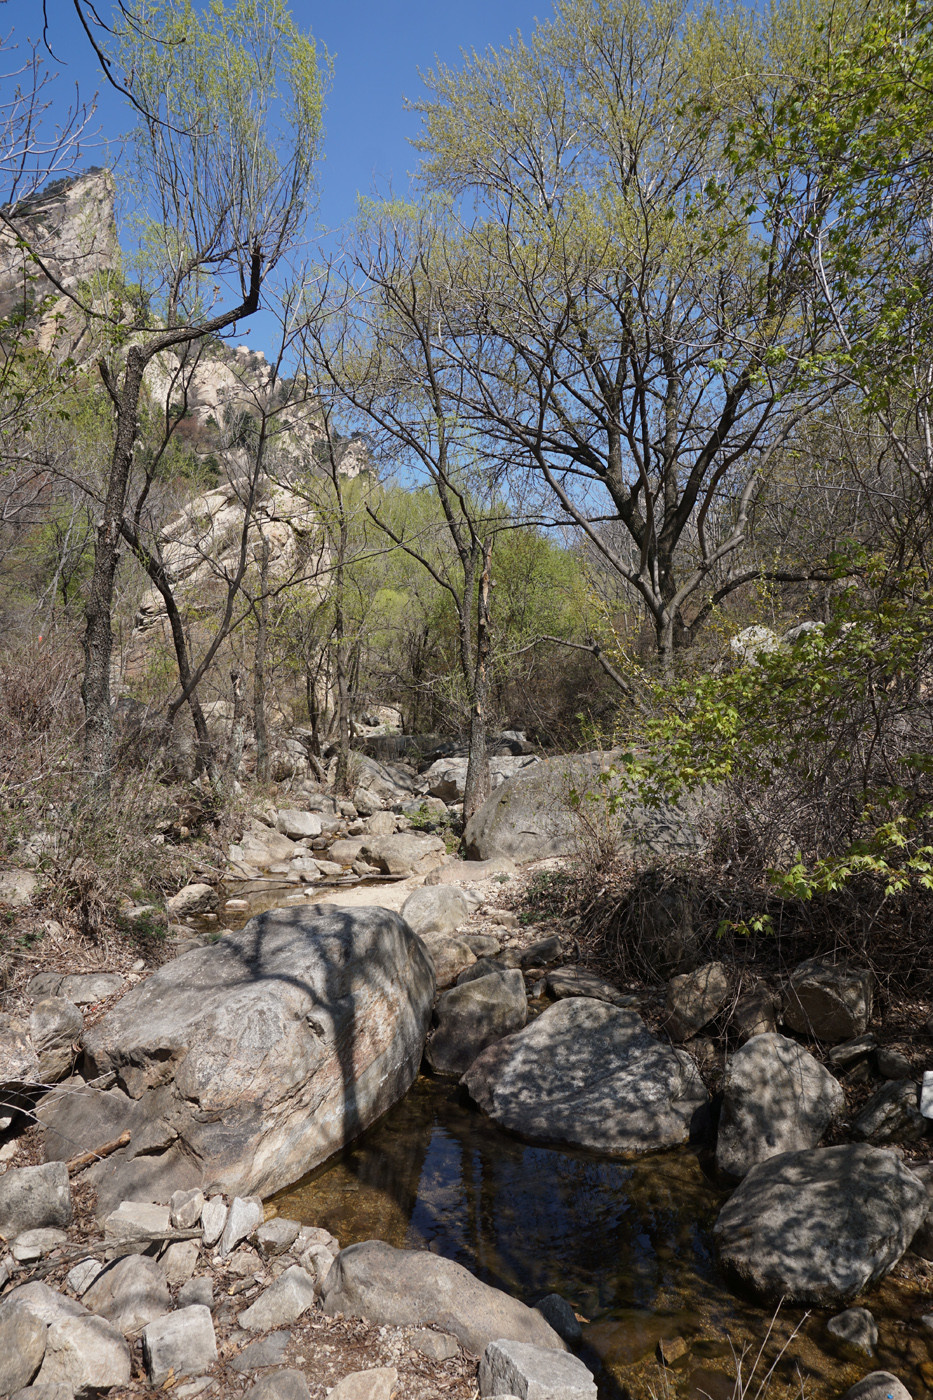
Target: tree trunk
{"points": [[263, 767], [476, 785], [98, 636], [237, 731]]}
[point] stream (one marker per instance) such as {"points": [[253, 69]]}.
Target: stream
{"points": [[628, 1243]]}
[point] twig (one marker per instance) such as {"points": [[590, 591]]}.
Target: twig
{"points": [[85, 1159]]}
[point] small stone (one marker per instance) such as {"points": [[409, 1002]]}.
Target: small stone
{"points": [[268, 1351], [183, 1342], [80, 1278], [213, 1220], [202, 1385], [36, 1244], [186, 1207], [536, 1373], [137, 1222], [380, 1383], [275, 1236], [893, 1065], [197, 1291], [245, 1214], [671, 1349], [193, 899], [694, 998], [280, 1385], [543, 952], [283, 1302], [856, 1328], [317, 1260], [851, 1051], [558, 1312], [179, 1261], [437, 1346]]}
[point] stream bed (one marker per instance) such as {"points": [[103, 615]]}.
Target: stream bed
{"points": [[628, 1243]]}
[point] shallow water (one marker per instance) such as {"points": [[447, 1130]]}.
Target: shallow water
{"points": [[629, 1244]]}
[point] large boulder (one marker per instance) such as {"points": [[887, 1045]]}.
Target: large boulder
{"points": [[819, 1226], [439, 908], [828, 1001], [534, 815], [473, 1015], [694, 998], [407, 853], [591, 1074], [406, 1288], [776, 1098], [449, 957], [257, 1057]]}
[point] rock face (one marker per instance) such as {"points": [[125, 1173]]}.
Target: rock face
{"points": [[592, 1074], [257, 1057], [530, 816], [404, 1288], [474, 1015], [819, 1226], [71, 223], [776, 1098], [831, 1003]]}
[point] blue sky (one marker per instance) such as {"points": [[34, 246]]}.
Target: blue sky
{"points": [[378, 47]]}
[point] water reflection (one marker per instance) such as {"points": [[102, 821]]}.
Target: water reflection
{"points": [[629, 1244]]}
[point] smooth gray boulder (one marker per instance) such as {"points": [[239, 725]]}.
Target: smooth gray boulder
{"points": [[438, 908], [183, 1342], [591, 1074], [819, 1226], [32, 1198], [828, 1001], [878, 1385], [776, 1098], [561, 1316], [408, 1288], [255, 1058], [473, 1015], [533, 815], [533, 1373], [129, 1293]]}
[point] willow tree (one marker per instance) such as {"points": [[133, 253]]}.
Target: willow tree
{"points": [[228, 107], [655, 341]]}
